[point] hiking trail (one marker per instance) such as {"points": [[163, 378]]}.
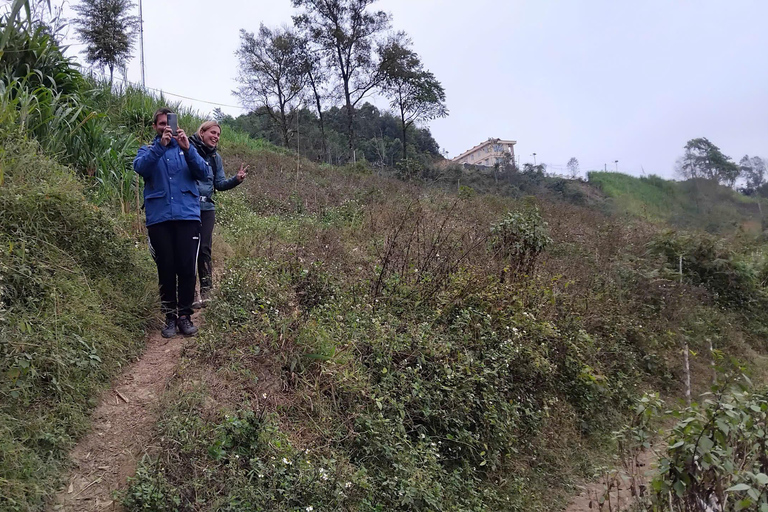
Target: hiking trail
{"points": [[620, 496], [121, 429]]}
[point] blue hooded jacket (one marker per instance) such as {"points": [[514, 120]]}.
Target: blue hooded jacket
{"points": [[217, 180], [170, 186]]}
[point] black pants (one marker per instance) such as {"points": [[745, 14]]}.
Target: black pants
{"points": [[174, 245], [204, 263]]}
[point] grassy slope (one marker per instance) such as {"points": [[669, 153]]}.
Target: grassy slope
{"points": [[691, 204], [75, 296], [362, 353]]}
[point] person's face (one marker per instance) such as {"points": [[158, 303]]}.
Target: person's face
{"points": [[211, 136], [161, 124]]}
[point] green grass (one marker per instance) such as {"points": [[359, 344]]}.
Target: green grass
{"points": [[75, 297], [692, 204]]}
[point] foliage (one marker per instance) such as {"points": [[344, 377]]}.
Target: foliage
{"points": [[413, 92], [696, 204], [272, 75], [753, 172], [378, 138], [519, 239], [345, 31], [107, 29], [74, 299], [711, 262], [150, 491], [702, 159], [717, 456]]}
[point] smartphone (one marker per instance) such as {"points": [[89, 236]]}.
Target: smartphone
{"points": [[173, 122]]}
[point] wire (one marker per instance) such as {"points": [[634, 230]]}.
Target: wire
{"points": [[161, 91]]}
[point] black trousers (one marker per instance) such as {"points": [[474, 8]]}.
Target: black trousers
{"points": [[204, 263], [174, 245]]}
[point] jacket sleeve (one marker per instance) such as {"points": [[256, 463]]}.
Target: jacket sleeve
{"points": [[196, 164], [145, 160], [220, 181]]}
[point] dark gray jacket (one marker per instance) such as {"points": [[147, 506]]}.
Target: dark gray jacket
{"points": [[216, 180]]}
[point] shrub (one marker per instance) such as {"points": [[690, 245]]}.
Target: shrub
{"points": [[717, 457], [75, 296], [519, 239]]}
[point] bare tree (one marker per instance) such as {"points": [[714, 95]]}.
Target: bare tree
{"points": [[312, 65], [271, 75], [573, 167]]}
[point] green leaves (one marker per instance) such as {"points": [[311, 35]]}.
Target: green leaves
{"points": [[718, 447]]}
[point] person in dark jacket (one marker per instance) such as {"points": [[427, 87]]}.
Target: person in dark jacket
{"points": [[170, 167], [206, 141]]}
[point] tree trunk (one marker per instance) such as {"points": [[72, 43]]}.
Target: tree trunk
{"points": [[326, 155], [351, 129], [405, 147], [111, 72]]}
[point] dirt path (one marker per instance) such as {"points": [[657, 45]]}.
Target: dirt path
{"points": [[121, 430], [616, 489]]}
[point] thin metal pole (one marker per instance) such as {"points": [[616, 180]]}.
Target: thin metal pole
{"points": [[141, 43]]}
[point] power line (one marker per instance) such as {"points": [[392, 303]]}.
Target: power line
{"points": [[161, 91]]}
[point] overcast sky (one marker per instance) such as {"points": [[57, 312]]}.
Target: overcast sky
{"points": [[599, 80]]}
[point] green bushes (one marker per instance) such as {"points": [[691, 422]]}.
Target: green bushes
{"points": [[717, 456], [711, 262], [519, 239], [74, 298]]}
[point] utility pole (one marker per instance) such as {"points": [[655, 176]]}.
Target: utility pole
{"points": [[617, 165], [534, 159], [141, 44]]}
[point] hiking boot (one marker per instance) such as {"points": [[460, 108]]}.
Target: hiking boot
{"points": [[202, 300], [169, 331], [185, 326]]}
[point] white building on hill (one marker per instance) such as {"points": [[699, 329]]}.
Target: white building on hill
{"points": [[488, 153]]}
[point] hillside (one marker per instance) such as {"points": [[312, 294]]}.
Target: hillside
{"points": [[375, 342], [691, 204]]}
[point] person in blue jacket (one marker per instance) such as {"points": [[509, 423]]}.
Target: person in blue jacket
{"points": [[170, 168], [206, 141]]}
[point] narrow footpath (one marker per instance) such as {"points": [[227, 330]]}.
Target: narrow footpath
{"points": [[121, 430], [618, 491]]}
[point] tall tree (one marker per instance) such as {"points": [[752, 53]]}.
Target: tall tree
{"points": [[107, 28], [753, 171], [573, 167], [313, 67], [702, 159], [271, 74], [413, 91], [346, 32]]}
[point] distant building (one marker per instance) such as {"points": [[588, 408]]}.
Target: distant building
{"points": [[488, 153]]}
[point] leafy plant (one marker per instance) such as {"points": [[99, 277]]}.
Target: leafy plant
{"points": [[717, 458]]}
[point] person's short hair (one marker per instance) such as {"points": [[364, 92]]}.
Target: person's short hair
{"points": [[207, 125], [159, 112]]}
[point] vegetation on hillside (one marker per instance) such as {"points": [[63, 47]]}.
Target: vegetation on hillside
{"points": [[696, 203], [396, 340]]}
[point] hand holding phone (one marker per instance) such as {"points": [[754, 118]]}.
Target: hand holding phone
{"points": [[173, 123]]}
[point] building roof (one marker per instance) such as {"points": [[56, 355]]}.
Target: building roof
{"points": [[483, 144]]}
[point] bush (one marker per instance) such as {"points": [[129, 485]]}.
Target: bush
{"points": [[717, 457], [75, 296]]}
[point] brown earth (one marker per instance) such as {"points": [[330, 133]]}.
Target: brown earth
{"points": [[618, 490], [121, 430]]}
